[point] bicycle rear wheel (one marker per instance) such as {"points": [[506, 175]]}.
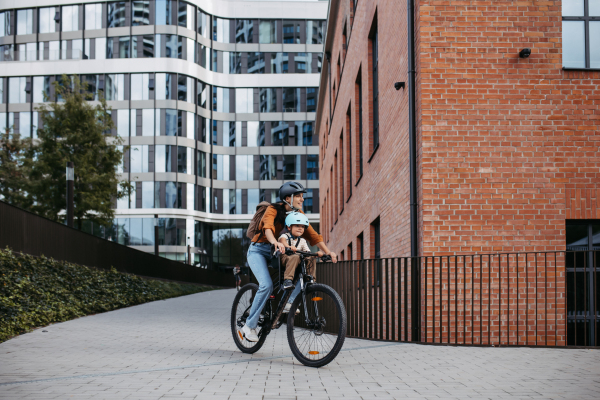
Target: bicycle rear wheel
{"points": [[239, 312], [316, 335]]}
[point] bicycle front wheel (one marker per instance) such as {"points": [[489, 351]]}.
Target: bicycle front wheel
{"points": [[316, 335], [239, 313]]}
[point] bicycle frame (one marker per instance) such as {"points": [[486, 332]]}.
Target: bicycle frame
{"points": [[299, 278]]}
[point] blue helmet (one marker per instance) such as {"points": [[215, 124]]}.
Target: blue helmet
{"points": [[296, 218]]}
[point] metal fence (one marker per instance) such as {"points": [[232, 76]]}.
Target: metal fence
{"points": [[29, 233], [531, 299]]}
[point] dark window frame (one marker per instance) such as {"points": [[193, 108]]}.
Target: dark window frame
{"points": [[360, 126], [586, 19], [373, 43]]}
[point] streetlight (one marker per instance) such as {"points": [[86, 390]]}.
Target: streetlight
{"points": [[189, 252], [70, 179]]}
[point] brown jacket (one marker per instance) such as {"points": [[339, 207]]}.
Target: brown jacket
{"points": [[268, 222]]}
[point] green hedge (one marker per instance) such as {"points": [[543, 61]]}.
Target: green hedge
{"points": [[37, 291]]}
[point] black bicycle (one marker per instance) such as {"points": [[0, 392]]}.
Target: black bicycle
{"points": [[316, 322]]}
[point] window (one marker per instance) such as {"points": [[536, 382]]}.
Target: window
{"points": [[117, 14], [244, 167], [147, 46], [312, 167], [185, 16], [164, 158], [256, 63], [375, 89], [138, 159], [349, 251], [221, 99], [222, 29], [140, 87], [41, 87], [359, 113], [165, 12], [349, 150], [244, 100], [203, 24], [291, 167], [25, 22], [342, 180], [185, 89], [47, 23], [140, 13], [244, 31], [115, 87], [93, 16], [5, 23], [201, 164], [581, 33], [70, 18], [301, 61], [345, 42], [279, 63], [312, 96], [165, 86], [185, 160], [267, 31], [268, 100], [315, 32], [359, 247], [303, 131], [16, 90], [291, 99], [118, 47], [291, 31]]}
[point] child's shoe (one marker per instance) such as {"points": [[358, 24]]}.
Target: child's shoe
{"points": [[288, 284]]}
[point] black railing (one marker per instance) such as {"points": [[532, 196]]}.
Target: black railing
{"points": [[29, 233], [508, 299]]}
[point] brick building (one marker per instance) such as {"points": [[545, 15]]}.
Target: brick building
{"points": [[507, 145]]}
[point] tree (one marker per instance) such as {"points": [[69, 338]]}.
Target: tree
{"points": [[74, 129], [15, 166]]}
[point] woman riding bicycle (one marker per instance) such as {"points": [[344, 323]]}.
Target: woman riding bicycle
{"points": [[259, 254]]}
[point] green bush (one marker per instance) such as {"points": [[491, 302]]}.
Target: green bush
{"points": [[37, 291]]}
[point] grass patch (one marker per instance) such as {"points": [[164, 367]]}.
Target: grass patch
{"points": [[37, 291]]}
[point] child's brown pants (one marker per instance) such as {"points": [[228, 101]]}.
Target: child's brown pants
{"points": [[291, 262]]}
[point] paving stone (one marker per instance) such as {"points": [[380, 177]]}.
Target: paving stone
{"points": [[182, 348]]}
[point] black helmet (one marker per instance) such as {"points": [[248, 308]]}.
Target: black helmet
{"points": [[290, 189]]}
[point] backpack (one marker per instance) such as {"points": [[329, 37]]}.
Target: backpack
{"points": [[260, 212]]}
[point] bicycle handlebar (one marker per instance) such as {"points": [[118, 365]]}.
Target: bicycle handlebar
{"points": [[289, 252]]}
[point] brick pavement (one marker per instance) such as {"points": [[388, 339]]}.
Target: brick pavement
{"points": [[182, 349]]}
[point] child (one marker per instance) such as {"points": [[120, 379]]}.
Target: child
{"points": [[296, 223]]}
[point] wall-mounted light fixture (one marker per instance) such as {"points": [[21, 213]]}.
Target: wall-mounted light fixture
{"points": [[400, 85], [525, 53], [57, 17]]}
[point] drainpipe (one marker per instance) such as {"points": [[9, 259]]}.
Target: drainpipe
{"points": [[412, 131], [328, 56], [412, 144]]}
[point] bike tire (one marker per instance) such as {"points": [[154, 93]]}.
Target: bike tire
{"points": [[334, 309], [244, 345]]}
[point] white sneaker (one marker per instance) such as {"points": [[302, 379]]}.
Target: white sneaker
{"points": [[287, 307], [249, 334]]}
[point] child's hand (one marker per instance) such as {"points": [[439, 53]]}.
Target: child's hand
{"points": [[320, 253], [293, 248]]}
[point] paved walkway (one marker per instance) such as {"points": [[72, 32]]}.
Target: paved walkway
{"points": [[182, 349]]}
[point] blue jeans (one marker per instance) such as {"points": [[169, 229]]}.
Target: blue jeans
{"points": [[258, 256]]}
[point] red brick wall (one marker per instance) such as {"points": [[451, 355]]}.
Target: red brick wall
{"points": [[503, 138], [382, 190]]}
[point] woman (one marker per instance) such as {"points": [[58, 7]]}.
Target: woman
{"points": [[259, 254]]}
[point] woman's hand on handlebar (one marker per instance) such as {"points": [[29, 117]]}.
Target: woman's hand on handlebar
{"points": [[279, 246], [333, 257]]}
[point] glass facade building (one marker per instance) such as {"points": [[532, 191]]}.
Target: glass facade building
{"points": [[217, 107]]}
